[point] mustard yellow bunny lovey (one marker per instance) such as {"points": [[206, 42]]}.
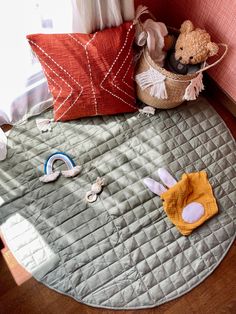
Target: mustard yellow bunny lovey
{"points": [[189, 202]]}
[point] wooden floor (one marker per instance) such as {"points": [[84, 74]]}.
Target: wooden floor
{"points": [[217, 294]]}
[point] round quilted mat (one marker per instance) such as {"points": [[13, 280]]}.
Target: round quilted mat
{"points": [[122, 251]]}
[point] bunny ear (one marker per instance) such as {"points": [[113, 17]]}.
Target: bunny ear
{"points": [[166, 177], [154, 186]]}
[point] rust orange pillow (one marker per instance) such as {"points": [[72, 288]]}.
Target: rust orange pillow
{"points": [[88, 74]]}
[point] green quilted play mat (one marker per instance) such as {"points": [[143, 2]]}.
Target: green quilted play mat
{"points": [[122, 251]]}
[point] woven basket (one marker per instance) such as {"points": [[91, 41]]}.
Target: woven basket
{"points": [[176, 84]]}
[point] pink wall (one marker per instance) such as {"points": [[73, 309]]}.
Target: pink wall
{"points": [[218, 17]]}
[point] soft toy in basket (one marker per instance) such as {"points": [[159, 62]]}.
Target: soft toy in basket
{"points": [[181, 77]]}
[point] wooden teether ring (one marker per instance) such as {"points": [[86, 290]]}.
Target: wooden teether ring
{"points": [[91, 197]]}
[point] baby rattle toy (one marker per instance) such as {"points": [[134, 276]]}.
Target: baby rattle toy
{"points": [[91, 196]]}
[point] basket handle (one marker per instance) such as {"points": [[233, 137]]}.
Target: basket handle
{"points": [[217, 61]]}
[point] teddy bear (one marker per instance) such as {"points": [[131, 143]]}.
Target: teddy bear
{"points": [[193, 46]]}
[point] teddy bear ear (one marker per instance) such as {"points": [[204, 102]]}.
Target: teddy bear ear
{"points": [[212, 48], [186, 27]]}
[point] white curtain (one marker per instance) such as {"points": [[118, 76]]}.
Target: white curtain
{"points": [[23, 87], [91, 15]]}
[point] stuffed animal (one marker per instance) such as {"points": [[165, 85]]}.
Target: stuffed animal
{"points": [[193, 46]]}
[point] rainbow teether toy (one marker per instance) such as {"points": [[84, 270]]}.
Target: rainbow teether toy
{"points": [[50, 175]]}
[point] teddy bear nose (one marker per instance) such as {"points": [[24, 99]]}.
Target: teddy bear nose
{"points": [[180, 58]]}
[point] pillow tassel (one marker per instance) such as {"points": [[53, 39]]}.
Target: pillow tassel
{"points": [[44, 125], [154, 79], [194, 88]]}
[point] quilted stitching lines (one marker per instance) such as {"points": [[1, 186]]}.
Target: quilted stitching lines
{"points": [[70, 93], [89, 67], [150, 263], [109, 73], [51, 79], [126, 73], [88, 75], [70, 77], [123, 63]]}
